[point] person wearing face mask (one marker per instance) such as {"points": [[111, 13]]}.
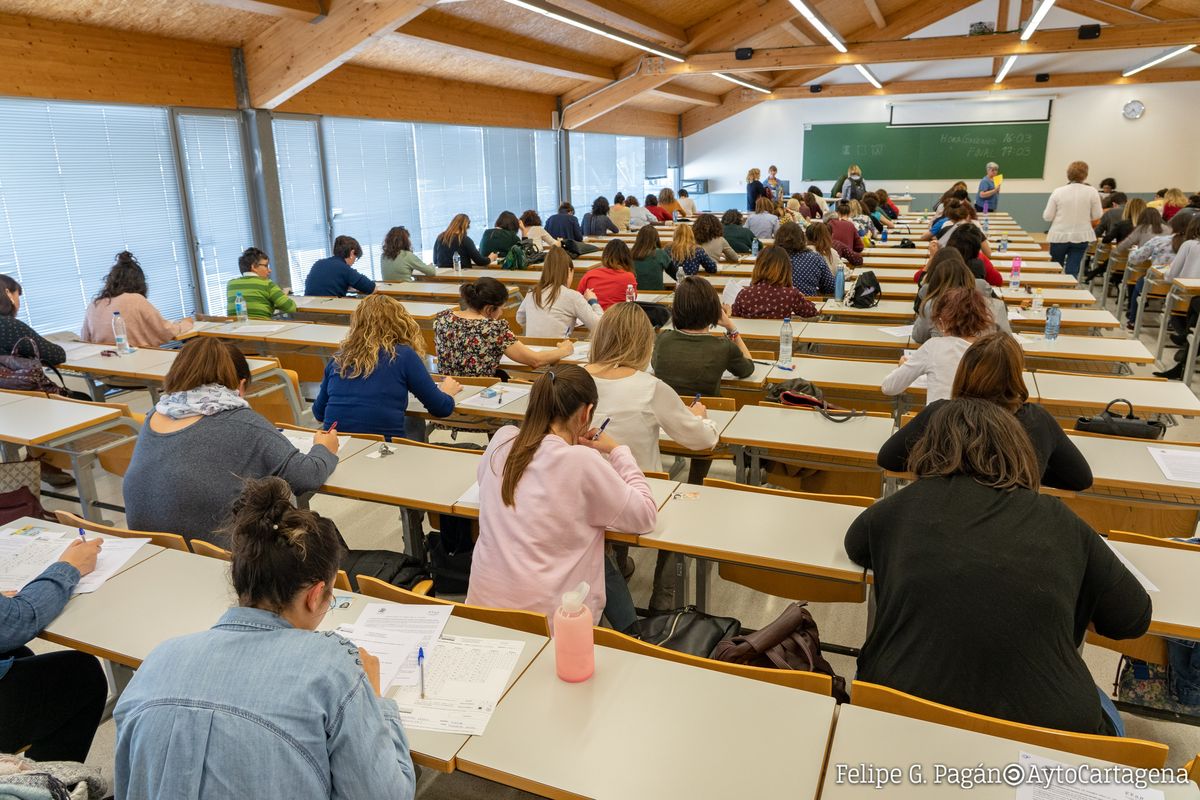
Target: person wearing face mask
{"points": [[851, 186], [202, 440], [335, 276]]}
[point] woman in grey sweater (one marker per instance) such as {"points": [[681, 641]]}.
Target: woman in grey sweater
{"points": [[202, 441], [949, 271]]}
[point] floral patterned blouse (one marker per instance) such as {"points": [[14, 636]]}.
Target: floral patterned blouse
{"points": [[470, 348]]}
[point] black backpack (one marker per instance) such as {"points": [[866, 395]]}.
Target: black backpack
{"points": [[857, 190], [867, 291]]}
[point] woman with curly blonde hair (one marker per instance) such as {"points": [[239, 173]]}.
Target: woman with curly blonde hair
{"points": [[367, 383]]}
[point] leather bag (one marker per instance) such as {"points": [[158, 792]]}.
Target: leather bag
{"points": [[686, 630], [26, 374], [1113, 424]]}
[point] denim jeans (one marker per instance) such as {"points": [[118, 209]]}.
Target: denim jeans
{"points": [[1134, 294], [1069, 254], [618, 606], [1184, 658], [1110, 711]]}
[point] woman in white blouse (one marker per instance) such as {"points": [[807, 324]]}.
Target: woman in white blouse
{"points": [[963, 316], [1073, 212], [552, 309], [638, 216], [531, 225]]}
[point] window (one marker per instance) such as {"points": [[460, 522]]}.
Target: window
{"points": [[80, 182], [450, 179], [215, 172], [603, 164], [306, 226], [520, 171]]}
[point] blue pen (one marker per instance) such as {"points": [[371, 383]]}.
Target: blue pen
{"points": [[696, 399], [421, 667], [603, 425], [788, 367], [81, 536]]}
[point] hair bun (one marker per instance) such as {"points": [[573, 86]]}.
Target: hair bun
{"points": [[266, 500], [126, 257]]}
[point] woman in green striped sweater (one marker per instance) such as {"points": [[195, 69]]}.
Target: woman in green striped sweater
{"points": [[263, 296]]}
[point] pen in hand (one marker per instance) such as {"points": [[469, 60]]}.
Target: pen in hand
{"points": [[81, 536], [696, 399], [421, 668], [598, 433]]}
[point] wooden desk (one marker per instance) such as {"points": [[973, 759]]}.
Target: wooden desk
{"points": [[151, 365], [1087, 348], [1070, 395], [422, 478], [1053, 297], [570, 740], [1177, 602], [887, 312], [1125, 468], [871, 260], [1072, 318], [851, 334], [1034, 279], [509, 277], [344, 307]]}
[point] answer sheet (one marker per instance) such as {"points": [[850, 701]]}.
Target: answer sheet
{"points": [[1182, 465], [303, 441], [1046, 785], [26, 552], [504, 395], [424, 623], [899, 331], [392, 649]]}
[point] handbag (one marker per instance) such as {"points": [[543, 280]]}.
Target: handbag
{"points": [[1109, 423], [27, 374], [686, 630], [577, 249], [805, 394], [20, 491], [451, 551], [792, 641]]}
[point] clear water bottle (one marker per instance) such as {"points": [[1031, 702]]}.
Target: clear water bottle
{"points": [[1053, 322], [985, 222], [631, 294], [1039, 301], [119, 335], [239, 307], [785, 342], [839, 283], [754, 248], [457, 261], [1004, 243], [1014, 278]]}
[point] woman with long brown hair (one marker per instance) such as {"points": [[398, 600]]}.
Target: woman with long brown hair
{"points": [[820, 236], [399, 262], [380, 362], [650, 260], [992, 369], [547, 492], [710, 235], [770, 294], [948, 270], [552, 308], [969, 559], [455, 241], [963, 316]]}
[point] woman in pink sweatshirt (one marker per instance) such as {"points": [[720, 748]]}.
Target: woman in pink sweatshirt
{"points": [[547, 493], [125, 291]]}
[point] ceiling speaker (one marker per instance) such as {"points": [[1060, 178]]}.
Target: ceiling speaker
{"points": [[1089, 31], [815, 88], [1042, 77], [743, 53]]}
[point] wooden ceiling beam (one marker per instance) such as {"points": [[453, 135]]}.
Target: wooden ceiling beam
{"points": [[292, 55], [1001, 25], [796, 32], [1101, 12], [625, 17], [1138, 5], [496, 49], [735, 24], [674, 91], [611, 97], [302, 10], [876, 15]]}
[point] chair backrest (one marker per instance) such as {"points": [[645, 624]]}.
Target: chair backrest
{"points": [[203, 548], [527, 621], [471, 381], [1141, 538], [443, 447], [841, 499], [171, 541], [666, 476], [803, 409], [269, 397], [794, 679], [713, 403], [1131, 752]]}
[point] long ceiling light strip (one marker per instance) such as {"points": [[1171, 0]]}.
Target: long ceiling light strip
{"points": [[1036, 19], [1158, 60], [1003, 73], [820, 25], [582, 25], [866, 73], [740, 82]]}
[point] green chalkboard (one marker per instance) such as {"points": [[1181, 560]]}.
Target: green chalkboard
{"points": [[938, 152]]}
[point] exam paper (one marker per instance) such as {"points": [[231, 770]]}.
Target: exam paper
{"points": [[505, 394], [391, 648], [1182, 465], [1047, 787], [1137, 573], [257, 329], [26, 553], [582, 350], [112, 559], [424, 623], [899, 331], [303, 441], [732, 290], [470, 497]]}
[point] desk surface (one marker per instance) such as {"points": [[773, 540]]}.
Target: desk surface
{"points": [[345, 305], [1062, 297], [38, 420], [1095, 391], [426, 478], [1177, 601], [150, 364], [852, 334], [576, 739], [886, 311], [1087, 348], [1124, 464], [801, 431], [144, 552]]}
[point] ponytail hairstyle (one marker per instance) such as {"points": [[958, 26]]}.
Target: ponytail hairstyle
{"points": [[125, 277], [278, 550], [483, 294], [556, 397]]}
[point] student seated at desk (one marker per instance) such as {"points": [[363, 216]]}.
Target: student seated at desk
{"points": [[687, 204], [763, 223], [202, 440], [471, 340], [962, 315], [688, 257], [564, 226], [819, 235], [810, 271], [454, 241], [948, 271], [532, 223], [399, 262], [613, 280], [499, 239], [638, 216], [736, 233], [125, 292], [985, 587], [335, 276], [650, 260], [13, 330], [658, 212], [991, 370], [596, 222], [381, 360], [843, 230], [1149, 225], [668, 203], [971, 243], [547, 492], [770, 294], [710, 235], [50, 703], [552, 308], [263, 296], [619, 212], [261, 705]]}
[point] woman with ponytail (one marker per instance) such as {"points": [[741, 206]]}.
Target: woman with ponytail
{"points": [[125, 292], [262, 705], [547, 493]]}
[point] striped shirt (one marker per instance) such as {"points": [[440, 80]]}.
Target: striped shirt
{"points": [[263, 296]]}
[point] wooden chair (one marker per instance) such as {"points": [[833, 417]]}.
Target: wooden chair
{"points": [[793, 587], [202, 548], [171, 541], [527, 621], [269, 398], [793, 679], [308, 369], [114, 460], [1193, 770], [1119, 750], [713, 403]]}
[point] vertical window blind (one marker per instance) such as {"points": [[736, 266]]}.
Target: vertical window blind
{"points": [[450, 179], [301, 184], [603, 164]]}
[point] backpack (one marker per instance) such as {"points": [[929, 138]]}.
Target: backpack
{"points": [[533, 254], [857, 190], [867, 291], [686, 630], [397, 569], [792, 641], [515, 258]]}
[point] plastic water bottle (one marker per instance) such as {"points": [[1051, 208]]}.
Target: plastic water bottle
{"points": [[839, 286], [574, 642], [457, 261], [1053, 322], [985, 221], [119, 336], [239, 307], [785, 342], [1004, 243], [754, 248], [883, 236], [1014, 278], [631, 294], [1038, 300]]}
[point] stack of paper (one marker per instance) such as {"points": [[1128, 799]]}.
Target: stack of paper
{"points": [[303, 441], [504, 395], [1181, 465], [26, 552], [899, 331]]}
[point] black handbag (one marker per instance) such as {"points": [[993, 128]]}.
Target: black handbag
{"points": [[686, 630], [577, 249], [1113, 424], [451, 551], [28, 374]]}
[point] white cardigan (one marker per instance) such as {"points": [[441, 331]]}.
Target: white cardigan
{"points": [[638, 405], [937, 359], [558, 320]]}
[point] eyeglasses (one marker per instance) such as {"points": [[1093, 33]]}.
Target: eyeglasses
{"points": [[336, 602]]}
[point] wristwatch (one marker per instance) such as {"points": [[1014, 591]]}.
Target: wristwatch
{"points": [[733, 334]]}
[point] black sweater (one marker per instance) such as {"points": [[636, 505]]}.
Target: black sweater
{"points": [[469, 254], [1063, 466], [13, 330], [983, 597]]}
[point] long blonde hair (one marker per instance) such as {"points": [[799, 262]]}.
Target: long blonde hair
{"points": [[623, 338], [683, 244], [378, 323], [456, 231], [1175, 197], [1133, 209], [556, 273]]}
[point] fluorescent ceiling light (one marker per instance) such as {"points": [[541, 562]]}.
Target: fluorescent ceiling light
{"points": [[739, 82], [1000, 76], [820, 25], [1158, 60], [866, 73], [1036, 19], [582, 25]]}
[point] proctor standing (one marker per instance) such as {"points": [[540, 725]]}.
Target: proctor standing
{"points": [[989, 190]]}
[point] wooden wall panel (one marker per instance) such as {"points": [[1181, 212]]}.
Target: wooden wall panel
{"points": [[351, 91], [65, 61], [634, 122]]}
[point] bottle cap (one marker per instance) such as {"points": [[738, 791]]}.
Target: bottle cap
{"points": [[572, 601], [116, 313]]}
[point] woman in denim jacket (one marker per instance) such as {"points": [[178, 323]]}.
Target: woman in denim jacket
{"points": [[261, 705]]}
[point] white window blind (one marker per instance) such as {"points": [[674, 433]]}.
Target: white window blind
{"points": [[80, 182], [546, 155], [450, 179], [510, 171], [298, 159], [656, 158], [215, 174], [603, 164], [372, 174]]}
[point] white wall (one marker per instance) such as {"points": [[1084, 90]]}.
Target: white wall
{"points": [[1086, 123]]}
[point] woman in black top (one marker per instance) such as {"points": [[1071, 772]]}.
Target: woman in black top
{"points": [[13, 330], [754, 189], [991, 370], [455, 240], [597, 222], [984, 587]]}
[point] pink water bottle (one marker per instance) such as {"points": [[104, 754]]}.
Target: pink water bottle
{"points": [[574, 644]]}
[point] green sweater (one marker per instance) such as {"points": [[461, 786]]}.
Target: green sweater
{"points": [[498, 240], [263, 297], [401, 267], [694, 362], [739, 237], [649, 271]]}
